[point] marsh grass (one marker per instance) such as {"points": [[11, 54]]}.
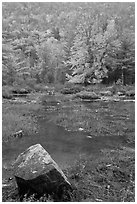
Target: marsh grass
{"points": [[14, 121], [19, 116], [98, 119]]}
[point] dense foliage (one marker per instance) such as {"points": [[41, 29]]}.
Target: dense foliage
{"points": [[76, 42]]}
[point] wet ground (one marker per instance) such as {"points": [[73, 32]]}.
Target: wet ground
{"points": [[106, 125]]}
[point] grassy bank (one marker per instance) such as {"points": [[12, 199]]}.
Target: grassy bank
{"points": [[109, 178], [18, 115]]}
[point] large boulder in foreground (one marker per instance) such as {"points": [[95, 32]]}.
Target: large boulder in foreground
{"points": [[36, 172], [87, 95]]}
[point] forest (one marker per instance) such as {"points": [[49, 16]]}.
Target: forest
{"points": [[82, 43]]}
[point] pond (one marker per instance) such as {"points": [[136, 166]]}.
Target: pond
{"points": [[65, 146]]}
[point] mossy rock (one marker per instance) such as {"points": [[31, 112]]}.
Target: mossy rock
{"points": [[36, 172]]}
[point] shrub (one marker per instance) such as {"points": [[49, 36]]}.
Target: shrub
{"points": [[130, 93], [71, 89], [87, 95], [7, 92]]}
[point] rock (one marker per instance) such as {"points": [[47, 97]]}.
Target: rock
{"points": [[81, 129], [106, 93], [36, 172], [119, 93], [18, 134], [87, 95], [89, 137]]}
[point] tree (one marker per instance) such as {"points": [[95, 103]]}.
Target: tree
{"points": [[92, 48], [8, 66]]}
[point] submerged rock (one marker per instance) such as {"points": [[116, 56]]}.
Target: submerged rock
{"points": [[36, 172]]}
